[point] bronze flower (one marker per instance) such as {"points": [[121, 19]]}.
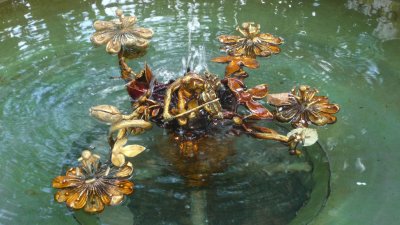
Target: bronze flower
{"points": [[91, 186], [121, 33], [303, 108], [236, 63], [248, 98], [252, 44]]}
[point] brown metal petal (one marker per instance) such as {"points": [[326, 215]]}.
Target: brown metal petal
{"points": [[249, 62], [231, 68], [278, 99], [235, 85], [259, 91], [258, 110], [222, 59]]}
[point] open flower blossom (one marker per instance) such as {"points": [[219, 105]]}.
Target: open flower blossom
{"points": [[121, 33], [252, 44], [236, 63], [92, 186], [303, 108], [248, 98]]}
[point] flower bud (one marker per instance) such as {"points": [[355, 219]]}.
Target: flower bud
{"points": [[106, 113]]}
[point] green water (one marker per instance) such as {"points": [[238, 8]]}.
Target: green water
{"points": [[50, 75]]}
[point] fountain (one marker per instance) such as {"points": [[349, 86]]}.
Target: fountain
{"points": [[201, 113]]}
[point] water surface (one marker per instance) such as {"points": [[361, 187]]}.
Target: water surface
{"points": [[50, 75]]}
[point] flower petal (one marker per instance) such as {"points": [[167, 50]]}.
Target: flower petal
{"points": [[117, 159], [274, 49], [327, 108], [250, 62], [94, 204], [229, 39], [269, 38], [125, 171], [128, 21], [132, 150], [222, 59], [113, 46], [235, 85], [324, 118], [118, 145], [66, 181], [105, 198], [102, 37], [286, 114], [231, 68], [116, 199], [143, 32], [259, 110], [124, 186], [78, 199], [259, 91], [62, 195], [278, 99], [100, 25]]}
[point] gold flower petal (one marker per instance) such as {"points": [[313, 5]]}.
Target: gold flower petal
{"points": [[113, 46], [78, 199], [66, 181], [117, 159], [118, 145], [100, 25], [125, 171], [229, 39], [141, 43], [269, 38], [73, 172], [128, 21], [117, 199], [329, 118], [94, 204], [105, 198], [62, 195], [327, 108], [132, 150], [102, 37], [143, 32], [286, 115], [124, 186]]}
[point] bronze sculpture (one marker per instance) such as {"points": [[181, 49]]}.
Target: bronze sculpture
{"points": [[188, 108]]}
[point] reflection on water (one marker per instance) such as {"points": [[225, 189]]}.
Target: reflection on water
{"points": [[387, 11], [50, 75]]}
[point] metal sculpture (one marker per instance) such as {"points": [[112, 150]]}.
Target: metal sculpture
{"points": [[189, 108]]}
